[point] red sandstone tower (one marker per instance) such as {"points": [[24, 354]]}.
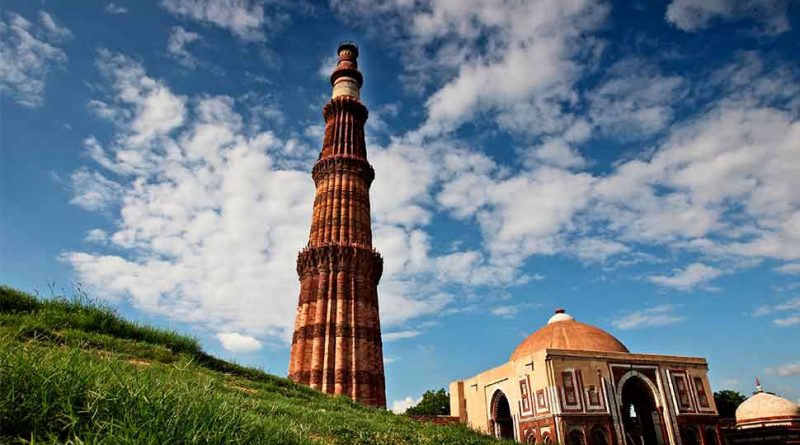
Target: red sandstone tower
{"points": [[336, 346]]}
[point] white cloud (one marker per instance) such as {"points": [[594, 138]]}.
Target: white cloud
{"points": [[694, 15], [400, 406], [503, 209], [196, 181], [704, 188], [598, 250], [786, 313], [238, 343], [785, 370], [402, 298], [406, 173], [789, 269], [721, 184], [194, 188], [679, 194], [788, 305], [787, 321], [516, 60], [113, 9], [725, 181], [243, 18], [526, 74], [28, 53], [634, 100], [505, 311], [693, 275], [52, 28], [407, 290], [655, 316], [558, 153], [326, 67], [749, 78], [155, 110], [399, 335], [96, 236], [178, 39], [93, 191]]}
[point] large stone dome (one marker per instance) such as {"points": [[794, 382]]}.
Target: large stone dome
{"points": [[766, 408], [564, 332]]}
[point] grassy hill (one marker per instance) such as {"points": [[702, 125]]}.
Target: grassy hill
{"points": [[76, 372]]}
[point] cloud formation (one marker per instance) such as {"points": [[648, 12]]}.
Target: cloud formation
{"points": [[400, 406], [245, 19], [651, 317], [195, 180], [515, 62], [238, 343], [789, 268], [703, 187], [694, 15], [29, 51], [789, 369], [399, 335], [178, 40], [207, 228], [115, 9], [784, 314], [212, 212], [635, 99], [693, 275]]}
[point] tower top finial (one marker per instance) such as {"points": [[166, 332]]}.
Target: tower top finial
{"points": [[348, 45], [346, 80]]}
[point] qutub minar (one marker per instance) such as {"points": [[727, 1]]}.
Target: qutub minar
{"points": [[336, 346]]}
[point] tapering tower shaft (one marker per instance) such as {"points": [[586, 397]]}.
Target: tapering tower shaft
{"points": [[336, 346]]}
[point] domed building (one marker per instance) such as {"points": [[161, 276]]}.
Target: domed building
{"points": [[576, 384], [766, 419]]}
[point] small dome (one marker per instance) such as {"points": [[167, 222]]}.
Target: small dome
{"points": [[564, 332], [763, 406]]}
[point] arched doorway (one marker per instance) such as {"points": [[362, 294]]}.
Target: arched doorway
{"points": [[690, 436], [711, 437], [575, 437], [599, 437], [501, 416], [640, 417]]}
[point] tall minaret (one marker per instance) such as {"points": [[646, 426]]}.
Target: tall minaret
{"points": [[336, 346]]}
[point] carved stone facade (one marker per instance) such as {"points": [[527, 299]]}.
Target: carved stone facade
{"points": [[336, 346], [575, 384]]}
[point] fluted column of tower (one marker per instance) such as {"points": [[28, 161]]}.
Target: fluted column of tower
{"points": [[336, 346]]}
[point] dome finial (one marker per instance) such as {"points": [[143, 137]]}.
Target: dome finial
{"points": [[560, 315], [758, 386]]}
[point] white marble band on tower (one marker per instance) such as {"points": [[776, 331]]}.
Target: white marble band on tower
{"points": [[346, 86]]}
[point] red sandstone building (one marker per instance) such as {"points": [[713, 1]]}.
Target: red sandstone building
{"points": [[573, 383], [336, 346]]}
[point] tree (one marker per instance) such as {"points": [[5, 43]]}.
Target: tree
{"points": [[727, 401], [433, 403]]}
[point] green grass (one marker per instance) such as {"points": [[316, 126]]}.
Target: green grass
{"points": [[72, 371]]}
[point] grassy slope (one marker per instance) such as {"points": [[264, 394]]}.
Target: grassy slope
{"points": [[76, 372]]}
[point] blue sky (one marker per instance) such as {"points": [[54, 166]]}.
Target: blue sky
{"points": [[634, 162]]}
